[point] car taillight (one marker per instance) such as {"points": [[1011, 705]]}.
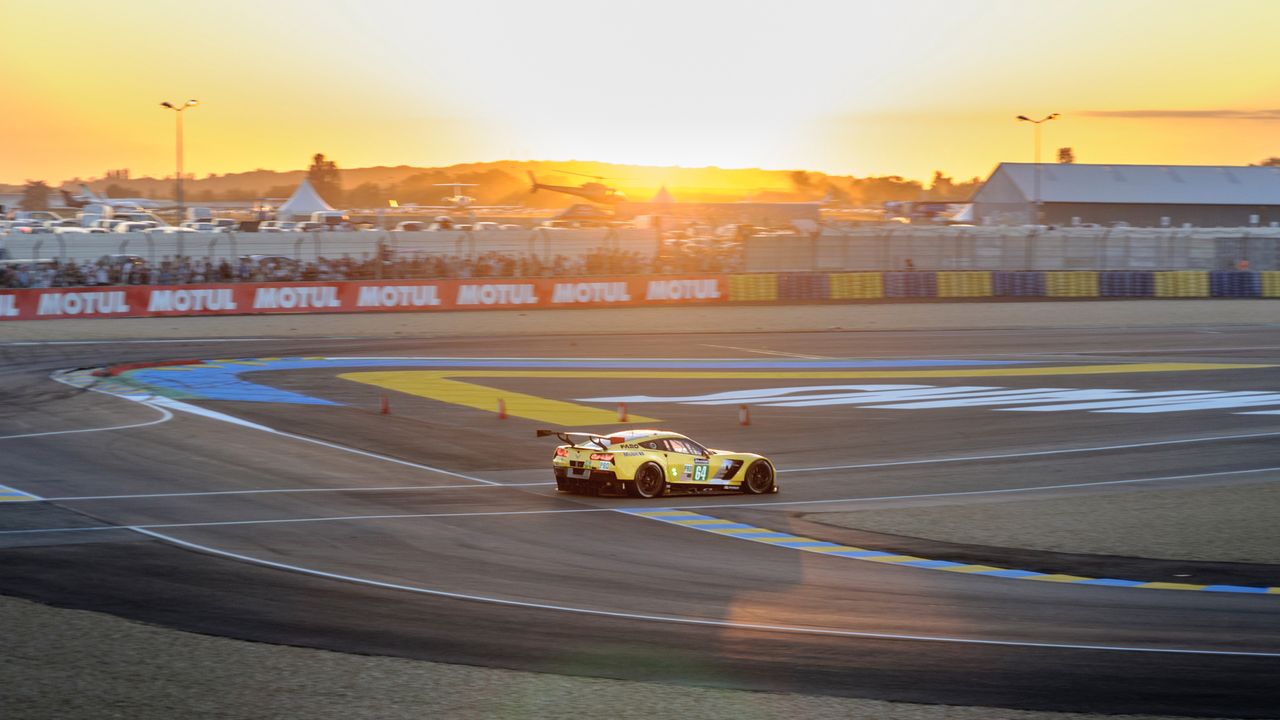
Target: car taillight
{"points": [[562, 452], [607, 457]]}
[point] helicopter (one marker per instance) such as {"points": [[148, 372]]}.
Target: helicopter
{"points": [[596, 192]]}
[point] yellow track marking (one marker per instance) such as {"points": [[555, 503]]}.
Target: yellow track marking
{"points": [[1057, 578], [435, 386], [703, 522], [439, 384], [969, 568], [1173, 586]]}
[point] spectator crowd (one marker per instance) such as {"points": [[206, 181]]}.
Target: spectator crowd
{"points": [[183, 270]]}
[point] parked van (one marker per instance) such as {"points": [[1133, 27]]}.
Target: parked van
{"points": [[330, 217]]}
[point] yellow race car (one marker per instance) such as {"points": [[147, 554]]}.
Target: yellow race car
{"points": [[648, 463]]}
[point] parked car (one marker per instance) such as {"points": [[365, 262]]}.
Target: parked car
{"points": [[135, 226], [205, 227]]}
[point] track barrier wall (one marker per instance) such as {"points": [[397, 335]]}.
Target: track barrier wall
{"points": [[622, 291], [364, 296]]}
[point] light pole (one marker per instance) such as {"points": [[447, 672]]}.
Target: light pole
{"points": [[1036, 200], [177, 109]]}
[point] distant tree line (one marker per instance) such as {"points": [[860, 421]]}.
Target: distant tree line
{"points": [[874, 191], [494, 186]]}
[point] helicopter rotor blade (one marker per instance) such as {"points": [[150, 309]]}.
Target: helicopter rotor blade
{"points": [[594, 177]]}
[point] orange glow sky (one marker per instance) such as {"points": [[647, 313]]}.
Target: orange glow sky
{"points": [[843, 86]]}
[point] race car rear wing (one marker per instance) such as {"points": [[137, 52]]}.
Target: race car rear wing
{"points": [[576, 438]]}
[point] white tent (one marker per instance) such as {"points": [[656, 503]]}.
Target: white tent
{"points": [[305, 200], [663, 197]]}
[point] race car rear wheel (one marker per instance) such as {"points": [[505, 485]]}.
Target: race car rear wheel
{"points": [[648, 483], [759, 478]]}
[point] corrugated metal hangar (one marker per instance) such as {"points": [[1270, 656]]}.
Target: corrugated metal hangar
{"points": [[1137, 195]]}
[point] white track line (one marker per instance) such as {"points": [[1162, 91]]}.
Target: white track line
{"points": [[1098, 448], [29, 343], [155, 403], [290, 521], [755, 505], [965, 458], [376, 456], [769, 352], [688, 620], [166, 416], [268, 491]]}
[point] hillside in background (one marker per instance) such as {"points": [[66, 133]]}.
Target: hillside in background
{"points": [[506, 182]]}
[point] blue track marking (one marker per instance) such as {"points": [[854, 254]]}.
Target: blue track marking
{"points": [[221, 379], [8, 494], [742, 531]]}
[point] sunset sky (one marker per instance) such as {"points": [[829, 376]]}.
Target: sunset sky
{"points": [[857, 87]]}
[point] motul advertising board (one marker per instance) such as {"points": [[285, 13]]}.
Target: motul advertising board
{"points": [[366, 296]]}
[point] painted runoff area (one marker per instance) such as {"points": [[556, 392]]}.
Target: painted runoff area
{"points": [[452, 380]]}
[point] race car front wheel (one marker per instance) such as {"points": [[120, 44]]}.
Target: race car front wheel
{"points": [[759, 479], [648, 483]]}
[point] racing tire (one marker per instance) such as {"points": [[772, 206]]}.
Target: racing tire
{"points": [[759, 478], [649, 482]]}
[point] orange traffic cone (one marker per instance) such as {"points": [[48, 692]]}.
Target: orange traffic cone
{"points": [[622, 412], [744, 415], [386, 405], [502, 409]]}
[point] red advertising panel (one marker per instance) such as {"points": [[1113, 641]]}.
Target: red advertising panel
{"points": [[364, 296]]}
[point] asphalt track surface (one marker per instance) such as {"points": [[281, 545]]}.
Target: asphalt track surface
{"points": [[433, 532]]}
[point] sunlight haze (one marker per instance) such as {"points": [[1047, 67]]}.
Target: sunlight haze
{"points": [[854, 87]]}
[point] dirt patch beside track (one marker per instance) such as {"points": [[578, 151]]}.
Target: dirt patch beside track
{"points": [[120, 668]]}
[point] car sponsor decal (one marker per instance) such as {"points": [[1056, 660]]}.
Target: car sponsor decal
{"points": [[728, 469]]}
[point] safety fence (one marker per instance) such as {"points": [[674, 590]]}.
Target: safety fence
{"points": [[902, 247]]}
